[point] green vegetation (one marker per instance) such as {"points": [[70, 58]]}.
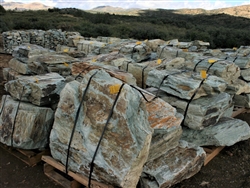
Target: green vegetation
{"points": [[221, 30]]}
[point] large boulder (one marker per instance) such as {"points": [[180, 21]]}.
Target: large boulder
{"points": [[24, 125], [125, 146]]}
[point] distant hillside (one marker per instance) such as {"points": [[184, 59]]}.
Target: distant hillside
{"points": [[115, 10], [24, 6], [242, 11]]}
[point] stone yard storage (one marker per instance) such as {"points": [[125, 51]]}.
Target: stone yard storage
{"points": [[153, 141]]}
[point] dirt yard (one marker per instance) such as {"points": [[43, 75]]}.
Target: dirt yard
{"points": [[231, 168]]}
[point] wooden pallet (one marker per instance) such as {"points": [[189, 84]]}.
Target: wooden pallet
{"points": [[56, 171], [30, 157], [240, 110], [213, 150], [211, 153]]}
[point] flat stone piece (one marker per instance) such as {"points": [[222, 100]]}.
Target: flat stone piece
{"points": [[222, 68], [27, 50], [10, 74], [242, 100], [176, 165], [226, 132], [184, 84], [31, 124], [237, 87], [19, 66], [203, 112], [125, 145], [137, 52], [40, 90]]}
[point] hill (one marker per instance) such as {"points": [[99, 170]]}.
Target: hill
{"points": [[24, 6], [241, 11]]}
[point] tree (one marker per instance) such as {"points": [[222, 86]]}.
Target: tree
{"points": [[2, 10]]}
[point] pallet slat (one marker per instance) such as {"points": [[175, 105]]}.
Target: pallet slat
{"points": [[211, 153], [29, 157], [76, 176]]}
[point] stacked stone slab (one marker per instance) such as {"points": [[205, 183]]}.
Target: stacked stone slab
{"points": [[200, 102], [159, 153], [157, 116], [32, 59], [26, 115], [48, 39]]}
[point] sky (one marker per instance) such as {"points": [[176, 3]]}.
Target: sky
{"points": [[146, 4]]}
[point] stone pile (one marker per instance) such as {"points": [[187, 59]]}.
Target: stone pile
{"points": [[27, 114], [156, 102], [48, 39], [130, 141]]}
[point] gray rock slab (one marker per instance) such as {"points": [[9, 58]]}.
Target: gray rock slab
{"points": [[226, 132], [31, 124], [40, 90], [203, 112], [242, 62], [245, 73], [137, 52], [125, 145], [222, 68], [185, 84], [10, 74], [176, 165], [27, 50], [19, 66], [237, 87], [242, 100]]}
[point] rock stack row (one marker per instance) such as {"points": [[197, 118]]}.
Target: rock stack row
{"points": [[48, 39]]}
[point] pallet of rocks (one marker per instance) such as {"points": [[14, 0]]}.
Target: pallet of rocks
{"points": [[48, 39], [130, 144], [27, 113], [33, 59]]}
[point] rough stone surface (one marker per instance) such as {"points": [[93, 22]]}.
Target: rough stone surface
{"points": [[10, 74], [165, 121], [226, 132], [174, 166], [136, 52], [51, 62], [31, 124], [153, 44], [221, 68], [40, 90], [185, 84], [125, 145], [245, 73], [242, 100], [237, 87], [203, 112], [27, 50], [19, 66], [81, 68], [242, 62]]}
